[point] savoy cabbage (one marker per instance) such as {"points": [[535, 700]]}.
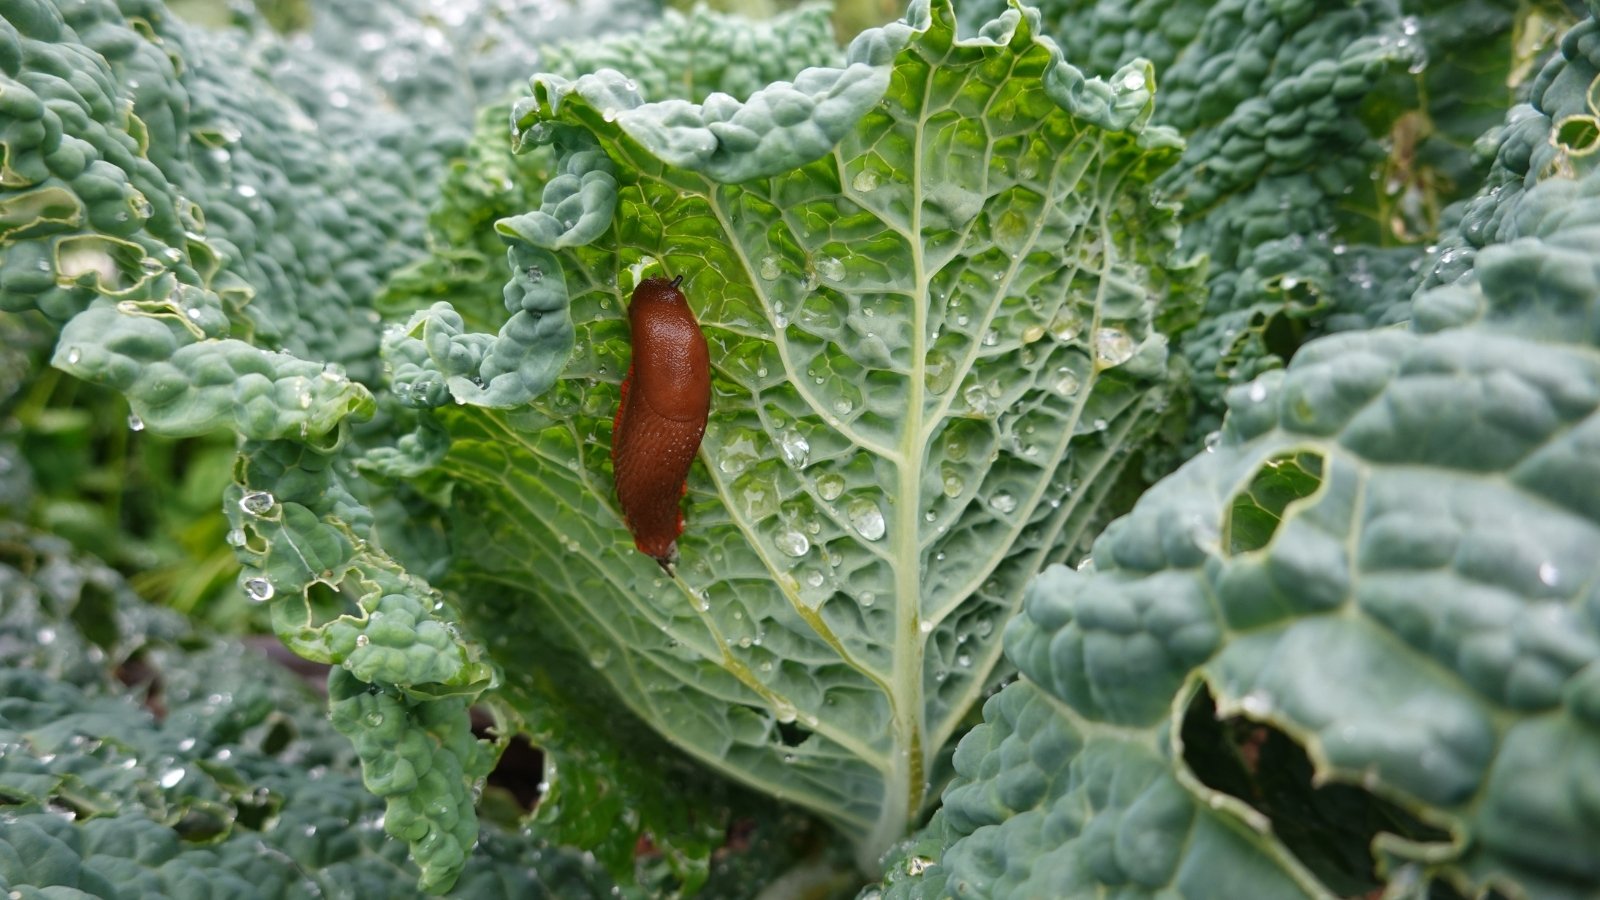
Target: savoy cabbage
{"points": [[971, 285]]}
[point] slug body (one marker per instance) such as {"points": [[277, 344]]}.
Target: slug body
{"points": [[661, 418]]}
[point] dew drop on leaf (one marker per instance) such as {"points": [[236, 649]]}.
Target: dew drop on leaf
{"points": [[866, 518], [257, 503], [795, 448], [1066, 383], [770, 270], [1003, 502], [938, 372], [830, 268], [793, 543], [830, 486], [1112, 346], [134, 422], [954, 484], [362, 640], [258, 589], [867, 598], [1066, 325], [865, 181], [977, 398]]}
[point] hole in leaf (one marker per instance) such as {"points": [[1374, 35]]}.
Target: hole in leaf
{"points": [[1258, 510], [520, 771], [1330, 828], [95, 615], [1283, 334], [792, 735], [1578, 135]]}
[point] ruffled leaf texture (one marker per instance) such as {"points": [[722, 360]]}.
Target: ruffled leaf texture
{"points": [[1388, 556], [1324, 142], [139, 758], [210, 243], [938, 301]]}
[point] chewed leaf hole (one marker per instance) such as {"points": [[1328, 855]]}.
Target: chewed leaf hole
{"points": [[792, 735], [1329, 827], [1578, 135], [1258, 509]]}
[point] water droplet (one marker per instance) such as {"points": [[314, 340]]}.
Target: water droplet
{"points": [[373, 719], [795, 448], [1066, 383], [938, 371], [830, 486], [866, 518], [246, 190], [1003, 502], [73, 356], [1066, 326], [235, 537], [362, 640], [770, 270], [1133, 81], [171, 777], [926, 627], [1112, 346], [842, 406], [830, 268], [964, 661], [991, 337], [1257, 704], [1212, 439], [954, 484], [738, 454], [784, 711], [865, 181], [1258, 392], [793, 543], [1549, 574], [257, 503], [259, 589], [977, 398], [134, 422]]}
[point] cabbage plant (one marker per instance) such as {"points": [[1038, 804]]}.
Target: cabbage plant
{"points": [[967, 295]]}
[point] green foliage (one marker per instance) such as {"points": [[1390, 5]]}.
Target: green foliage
{"points": [[139, 759], [1411, 603], [915, 333], [961, 295], [1323, 143]]}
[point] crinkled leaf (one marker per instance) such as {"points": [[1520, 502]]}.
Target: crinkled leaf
{"points": [[1410, 600], [913, 336]]}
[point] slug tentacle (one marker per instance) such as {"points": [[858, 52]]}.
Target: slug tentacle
{"points": [[661, 416]]}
